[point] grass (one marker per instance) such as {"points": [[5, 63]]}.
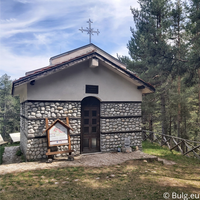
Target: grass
{"points": [[132, 180], [165, 153], [13, 144]]}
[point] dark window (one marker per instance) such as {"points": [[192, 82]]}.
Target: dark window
{"points": [[86, 121], [86, 129], [86, 113], [94, 113], [93, 89], [94, 121], [85, 142], [94, 129]]}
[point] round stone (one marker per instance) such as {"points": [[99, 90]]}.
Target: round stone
{"points": [[38, 115]]}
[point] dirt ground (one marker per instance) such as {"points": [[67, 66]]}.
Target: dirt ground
{"points": [[11, 162]]}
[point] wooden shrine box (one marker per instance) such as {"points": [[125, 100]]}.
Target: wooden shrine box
{"points": [[58, 134]]}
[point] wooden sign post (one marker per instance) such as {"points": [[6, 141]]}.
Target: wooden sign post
{"points": [[58, 134]]}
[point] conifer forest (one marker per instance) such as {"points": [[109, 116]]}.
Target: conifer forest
{"points": [[164, 50], [9, 109]]}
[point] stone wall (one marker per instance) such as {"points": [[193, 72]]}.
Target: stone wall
{"points": [[117, 122], [120, 109], [32, 127], [36, 148], [110, 142], [53, 109], [120, 124], [23, 129], [23, 136], [120, 121]]}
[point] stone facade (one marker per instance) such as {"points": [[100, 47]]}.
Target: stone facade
{"points": [[112, 141], [120, 109], [117, 121], [32, 127]]}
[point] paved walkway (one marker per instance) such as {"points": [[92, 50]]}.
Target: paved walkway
{"points": [[92, 160]]}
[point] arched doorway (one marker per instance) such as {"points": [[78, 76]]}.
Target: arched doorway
{"points": [[90, 125]]}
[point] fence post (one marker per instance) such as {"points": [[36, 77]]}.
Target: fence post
{"points": [[173, 142]]}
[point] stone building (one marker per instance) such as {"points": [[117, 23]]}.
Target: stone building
{"points": [[95, 90]]}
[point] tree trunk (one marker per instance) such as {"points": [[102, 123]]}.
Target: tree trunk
{"points": [[164, 126], [151, 126], [170, 125], [198, 118], [179, 108], [150, 123], [199, 90]]}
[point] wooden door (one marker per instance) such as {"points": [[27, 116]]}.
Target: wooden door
{"points": [[90, 129]]}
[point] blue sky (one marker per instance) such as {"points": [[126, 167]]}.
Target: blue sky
{"points": [[32, 31]]}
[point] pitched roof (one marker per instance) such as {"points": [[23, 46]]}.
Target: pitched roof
{"points": [[76, 56]]}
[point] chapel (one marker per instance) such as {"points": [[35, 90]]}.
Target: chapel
{"points": [[99, 95]]}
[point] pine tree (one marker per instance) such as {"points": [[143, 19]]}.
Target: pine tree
{"points": [[148, 48], [165, 52], [179, 52], [9, 108], [193, 75]]}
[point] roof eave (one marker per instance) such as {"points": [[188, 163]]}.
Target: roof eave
{"points": [[72, 62]]}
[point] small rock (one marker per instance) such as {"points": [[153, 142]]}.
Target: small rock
{"points": [[38, 115], [76, 180], [53, 115], [50, 160], [65, 182], [56, 183], [97, 178], [70, 158], [112, 175], [144, 160], [70, 106]]}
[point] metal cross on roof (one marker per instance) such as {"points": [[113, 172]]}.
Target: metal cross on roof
{"points": [[89, 30]]}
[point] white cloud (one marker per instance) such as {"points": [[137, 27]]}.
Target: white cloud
{"points": [[16, 66], [23, 1], [49, 27], [8, 20], [121, 51]]}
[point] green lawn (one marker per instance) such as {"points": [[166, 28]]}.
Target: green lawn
{"points": [[165, 153], [130, 180]]}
